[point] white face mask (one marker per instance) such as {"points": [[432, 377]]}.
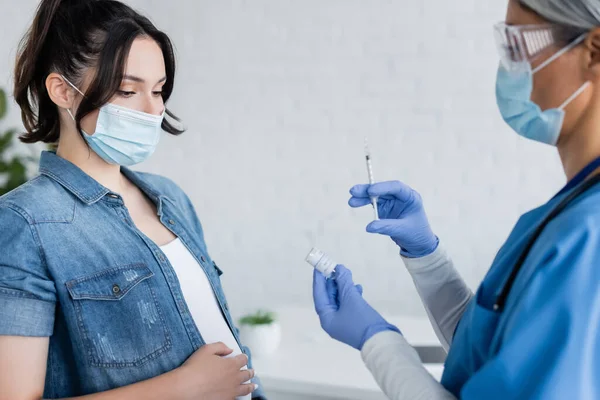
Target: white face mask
{"points": [[123, 136]]}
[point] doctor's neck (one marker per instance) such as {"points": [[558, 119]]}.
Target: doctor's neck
{"points": [[581, 144]]}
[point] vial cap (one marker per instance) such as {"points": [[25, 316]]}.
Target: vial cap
{"points": [[314, 256]]}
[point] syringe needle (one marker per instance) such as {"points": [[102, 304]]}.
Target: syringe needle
{"points": [[371, 179]]}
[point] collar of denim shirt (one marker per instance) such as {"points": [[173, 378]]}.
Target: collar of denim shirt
{"points": [[83, 186]]}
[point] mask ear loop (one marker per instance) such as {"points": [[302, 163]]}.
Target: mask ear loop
{"points": [[574, 95], [572, 45], [74, 87], [71, 114], [560, 53]]}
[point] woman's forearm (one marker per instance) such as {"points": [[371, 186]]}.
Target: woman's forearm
{"points": [[170, 385]]}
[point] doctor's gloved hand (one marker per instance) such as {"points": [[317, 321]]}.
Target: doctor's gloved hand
{"points": [[402, 216], [343, 312]]}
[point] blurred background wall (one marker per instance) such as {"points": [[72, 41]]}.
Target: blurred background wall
{"points": [[278, 95]]}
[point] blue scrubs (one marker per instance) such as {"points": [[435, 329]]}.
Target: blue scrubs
{"points": [[545, 344]]}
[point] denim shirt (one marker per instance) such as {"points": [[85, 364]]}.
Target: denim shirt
{"points": [[73, 267]]}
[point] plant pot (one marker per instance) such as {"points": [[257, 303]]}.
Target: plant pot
{"points": [[262, 340]]}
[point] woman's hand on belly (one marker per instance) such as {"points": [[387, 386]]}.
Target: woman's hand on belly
{"points": [[208, 374]]}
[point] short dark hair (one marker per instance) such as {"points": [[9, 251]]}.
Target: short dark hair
{"points": [[69, 36]]}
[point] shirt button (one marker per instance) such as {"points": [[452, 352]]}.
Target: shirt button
{"points": [[161, 258], [202, 259], [172, 222], [226, 307], [114, 196], [116, 289]]}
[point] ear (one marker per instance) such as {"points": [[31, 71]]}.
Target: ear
{"points": [[592, 58], [60, 92]]}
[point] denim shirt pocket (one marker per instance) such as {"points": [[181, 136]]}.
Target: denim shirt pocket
{"points": [[119, 317]]}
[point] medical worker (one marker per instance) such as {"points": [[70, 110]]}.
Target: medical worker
{"points": [[532, 329]]}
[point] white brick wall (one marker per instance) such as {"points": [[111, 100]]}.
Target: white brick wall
{"points": [[278, 96]]}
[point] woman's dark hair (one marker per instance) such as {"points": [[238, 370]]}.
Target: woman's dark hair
{"points": [[68, 37]]}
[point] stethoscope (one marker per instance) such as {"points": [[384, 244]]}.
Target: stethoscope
{"points": [[581, 186]]}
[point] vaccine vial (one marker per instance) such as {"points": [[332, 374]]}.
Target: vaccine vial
{"points": [[321, 262]]}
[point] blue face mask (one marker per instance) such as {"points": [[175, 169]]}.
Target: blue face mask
{"points": [[123, 136], [513, 95]]}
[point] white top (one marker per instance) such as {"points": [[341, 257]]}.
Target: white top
{"points": [[393, 362], [200, 298]]}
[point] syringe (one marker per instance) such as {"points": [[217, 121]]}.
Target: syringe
{"points": [[371, 179]]}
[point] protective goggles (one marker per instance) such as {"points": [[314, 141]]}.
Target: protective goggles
{"points": [[526, 43]]}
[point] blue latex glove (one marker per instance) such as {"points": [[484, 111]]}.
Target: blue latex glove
{"points": [[343, 312], [401, 214]]}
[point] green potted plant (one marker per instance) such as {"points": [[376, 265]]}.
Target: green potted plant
{"points": [[261, 332], [13, 166]]}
